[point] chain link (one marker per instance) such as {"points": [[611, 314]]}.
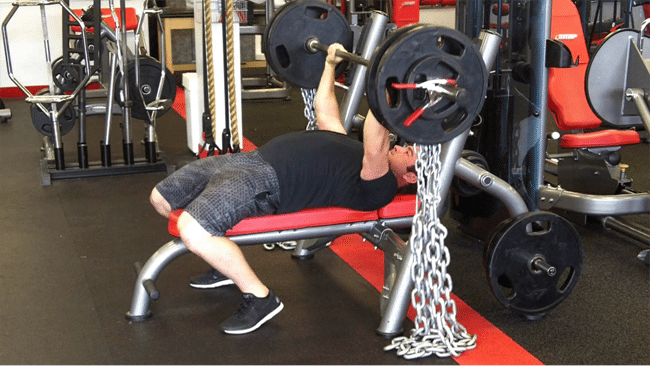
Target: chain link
{"points": [[308, 96], [436, 330]]}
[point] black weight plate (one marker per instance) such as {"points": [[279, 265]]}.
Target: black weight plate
{"points": [[67, 77], [376, 58], [419, 55], [150, 71], [43, 123], [287, 33], [514, 282]]}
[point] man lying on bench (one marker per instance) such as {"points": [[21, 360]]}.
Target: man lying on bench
{"points": [[289, 173]]}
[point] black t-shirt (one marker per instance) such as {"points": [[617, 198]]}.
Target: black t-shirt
{"points": [[322, 168]]}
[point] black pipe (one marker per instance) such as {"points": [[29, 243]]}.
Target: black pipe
{"points": [[106, 154], [633, 232]]}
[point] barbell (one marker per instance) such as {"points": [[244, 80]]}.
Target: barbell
{"points": [[427, 84]]}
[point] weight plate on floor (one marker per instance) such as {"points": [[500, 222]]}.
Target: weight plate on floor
{"points": [[43, 123], [287, 33], [515, 280], [422, 54], [150, 71]]}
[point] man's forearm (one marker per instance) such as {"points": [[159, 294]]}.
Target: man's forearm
{"points": [[326, 106]]}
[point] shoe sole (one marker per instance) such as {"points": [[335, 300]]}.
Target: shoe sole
{"points": [[213, 285], [259, 324]]}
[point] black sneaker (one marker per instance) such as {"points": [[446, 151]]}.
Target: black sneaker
{"points": [[252, 313], [212, 279]]}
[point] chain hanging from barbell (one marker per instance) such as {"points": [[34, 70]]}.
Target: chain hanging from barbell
{"points": [[308, 97], [436, 330]]}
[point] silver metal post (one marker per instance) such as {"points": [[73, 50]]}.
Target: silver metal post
{"points": [[540, 31], [352, 99]]}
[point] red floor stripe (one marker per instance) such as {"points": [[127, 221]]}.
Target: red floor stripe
{"points": [[493, 346]]}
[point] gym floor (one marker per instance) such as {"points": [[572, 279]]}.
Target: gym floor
{"points": [[68, 250]]}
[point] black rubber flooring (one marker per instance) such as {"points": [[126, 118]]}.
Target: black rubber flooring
{"points": [[66, 277]]}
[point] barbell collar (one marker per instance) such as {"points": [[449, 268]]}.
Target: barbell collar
{"points": [[456, 94], [313, 45]]}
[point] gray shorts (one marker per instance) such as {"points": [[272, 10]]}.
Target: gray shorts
{"points": [[220, 191]]}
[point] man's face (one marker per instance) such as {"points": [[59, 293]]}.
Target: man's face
{"points": [[401, 158]]}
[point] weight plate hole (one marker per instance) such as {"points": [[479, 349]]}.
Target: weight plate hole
{"points": [[419, 94], [450, 46], [316, 12], [506, 286], [393, 96], [283, 57], [565, 279], [538, 227]]}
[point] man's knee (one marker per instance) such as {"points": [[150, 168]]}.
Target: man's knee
{"points": [[192, 233], [160, 203]]}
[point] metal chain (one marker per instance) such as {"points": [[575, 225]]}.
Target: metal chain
{"points": [[436, 329], [308, 96]]}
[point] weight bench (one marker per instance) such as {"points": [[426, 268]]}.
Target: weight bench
{"points": [[375, 226]]}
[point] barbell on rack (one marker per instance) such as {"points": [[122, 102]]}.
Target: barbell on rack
{"points": [[401, 75]]}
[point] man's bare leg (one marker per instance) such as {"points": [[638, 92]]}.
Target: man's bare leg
{"points": [[222, 254]]}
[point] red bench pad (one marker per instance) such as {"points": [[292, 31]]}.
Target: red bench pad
{"points": [[401, 206], [600, 139], [131, 19]]}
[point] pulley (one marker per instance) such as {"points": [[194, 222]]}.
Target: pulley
{"points": [[533, 262]]}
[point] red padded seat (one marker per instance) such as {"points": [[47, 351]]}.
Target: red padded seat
{"points": [[600, 139], [401, 206], [131, 19]]}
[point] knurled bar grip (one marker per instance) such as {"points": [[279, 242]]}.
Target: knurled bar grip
{"points": [[314, 45]]}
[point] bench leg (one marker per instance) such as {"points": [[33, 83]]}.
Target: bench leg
{"points": [[144, 286], [399, 298]]}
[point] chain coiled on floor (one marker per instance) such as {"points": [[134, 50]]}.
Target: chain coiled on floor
{"points": [[436, 330]]}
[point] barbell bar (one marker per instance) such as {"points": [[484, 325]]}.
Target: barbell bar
{"points": [[313, 45]]}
